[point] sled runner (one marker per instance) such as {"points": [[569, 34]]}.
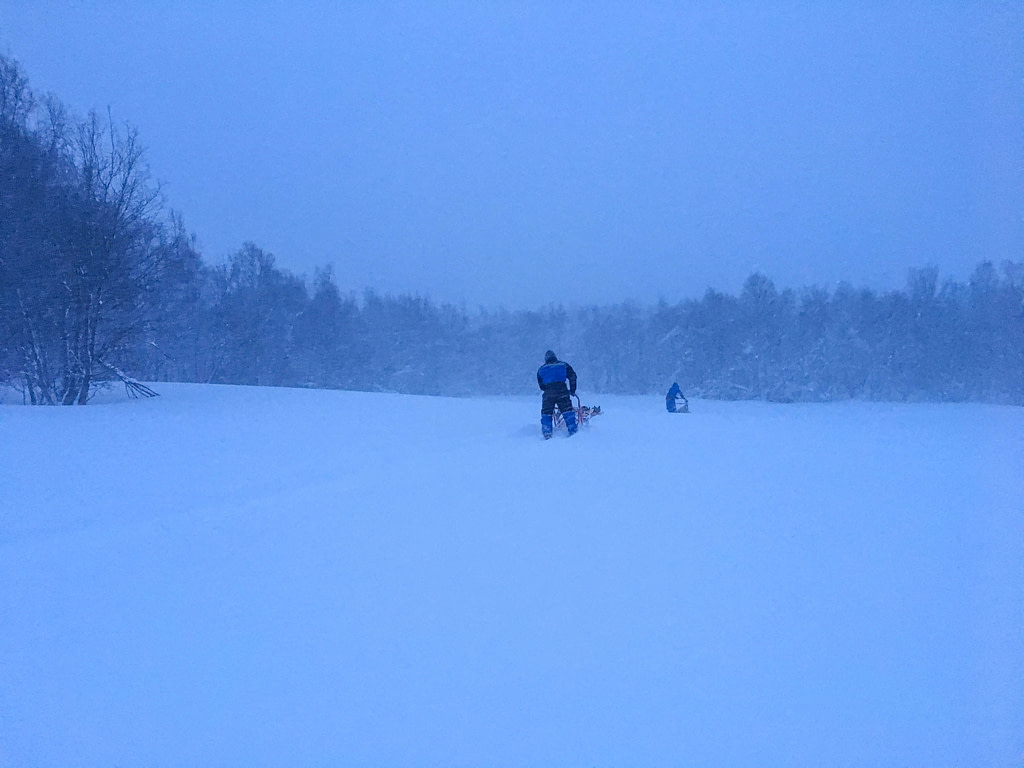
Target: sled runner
{"points": [[584, 413]]}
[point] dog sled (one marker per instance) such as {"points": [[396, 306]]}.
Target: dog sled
{"points": [[584, 413]]}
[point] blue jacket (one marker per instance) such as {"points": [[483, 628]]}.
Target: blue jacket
{"points": [[674, 395], [557, 377]]}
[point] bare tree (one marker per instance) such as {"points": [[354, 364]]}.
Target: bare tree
{"points": [[16, 98], [114, 255], [84, 251]]}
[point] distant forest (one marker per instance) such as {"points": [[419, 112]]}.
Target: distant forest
{"points": [[100, 284]]}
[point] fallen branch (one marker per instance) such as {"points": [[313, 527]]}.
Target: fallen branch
{"points": [[132, 386]]}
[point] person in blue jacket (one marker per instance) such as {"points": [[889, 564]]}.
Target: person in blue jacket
{"points": [[557, 380], [674, 400]]}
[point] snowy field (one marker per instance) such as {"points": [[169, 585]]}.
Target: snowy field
{"points": [[230, 576]]}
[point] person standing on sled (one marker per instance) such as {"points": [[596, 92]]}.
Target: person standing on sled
{"points": [[557, 380], [675, 402]]}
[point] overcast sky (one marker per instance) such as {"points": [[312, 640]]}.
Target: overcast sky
{"points": [[516, 154]]}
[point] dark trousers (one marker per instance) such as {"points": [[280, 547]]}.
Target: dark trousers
{"points": [[563, 403], [554, 400]]}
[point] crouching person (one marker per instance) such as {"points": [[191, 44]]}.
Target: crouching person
{"points": [[675, 402], [557, 380]]}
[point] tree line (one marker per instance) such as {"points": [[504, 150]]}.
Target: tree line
{"points": [[100, 284]]}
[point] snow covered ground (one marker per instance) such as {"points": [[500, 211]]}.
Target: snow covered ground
{"points": [[230, 576]]}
